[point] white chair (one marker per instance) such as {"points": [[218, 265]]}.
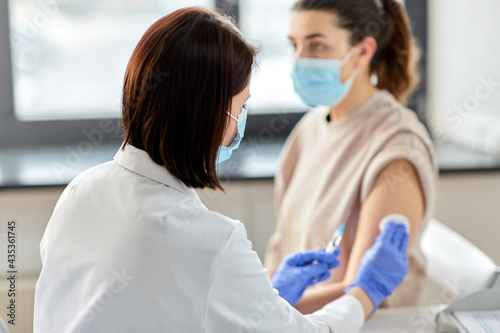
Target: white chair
{"points": [[455, 263]]}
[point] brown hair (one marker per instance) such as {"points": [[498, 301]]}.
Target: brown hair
{"points": [[395, 61], [179, 84]]}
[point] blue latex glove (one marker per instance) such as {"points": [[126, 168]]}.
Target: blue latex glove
{"points": [[384, 265], [301, 270]]}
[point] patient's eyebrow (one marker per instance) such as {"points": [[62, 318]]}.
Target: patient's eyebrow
{"points": [[311, 36]]}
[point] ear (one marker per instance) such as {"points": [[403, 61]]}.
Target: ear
{"points": [[367, 48]]}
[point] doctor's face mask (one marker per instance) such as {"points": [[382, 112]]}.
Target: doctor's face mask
{"points": [[226, 152]]}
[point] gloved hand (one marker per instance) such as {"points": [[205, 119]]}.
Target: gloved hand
{"points": [[300, 270], [384, 265]]}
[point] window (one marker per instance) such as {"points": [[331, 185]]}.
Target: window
{"points": [[69, 57], [268, 22], [62, 62], [464, 73]]}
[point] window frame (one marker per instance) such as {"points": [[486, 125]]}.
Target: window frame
{"points": [[16, 132], [418, 13]]}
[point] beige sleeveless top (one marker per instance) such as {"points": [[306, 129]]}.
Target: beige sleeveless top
{"points": [[327, 169]]}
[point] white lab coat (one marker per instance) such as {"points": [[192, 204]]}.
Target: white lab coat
{"points": [[129, 248]]}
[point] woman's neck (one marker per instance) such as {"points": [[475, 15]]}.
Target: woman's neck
{"points": [[361, 91]]}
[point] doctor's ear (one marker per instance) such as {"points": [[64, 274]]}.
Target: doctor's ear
{"points": [[366, 50]]}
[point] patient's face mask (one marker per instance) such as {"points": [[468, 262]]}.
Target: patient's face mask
{"points": [[225, 152], [317, 81]]}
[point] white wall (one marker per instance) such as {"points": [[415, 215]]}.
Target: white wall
{"points": [[467, 203], [470, 204], [463, 73], [30, 209]]}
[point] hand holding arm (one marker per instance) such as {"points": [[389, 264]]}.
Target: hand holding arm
{"points": [[384, 265], [301, 270]]}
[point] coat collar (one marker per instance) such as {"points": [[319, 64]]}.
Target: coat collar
{"points": [[139, 162]]}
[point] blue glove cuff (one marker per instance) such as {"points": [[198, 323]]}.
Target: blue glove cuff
{"points": [[373, 290]]}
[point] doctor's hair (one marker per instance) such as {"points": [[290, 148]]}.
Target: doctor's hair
{"points": [[178, 87], [395, 63]]}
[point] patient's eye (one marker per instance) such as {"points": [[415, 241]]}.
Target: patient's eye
{"points": [[318, 47]]}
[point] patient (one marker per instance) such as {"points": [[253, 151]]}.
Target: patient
{"points": [[362, 154]]}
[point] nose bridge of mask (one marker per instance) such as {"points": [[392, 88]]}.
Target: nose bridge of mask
{"points": [[317, 63], [324, 63]]}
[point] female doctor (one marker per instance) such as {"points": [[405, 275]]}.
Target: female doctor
{"points": [[131, 248]]}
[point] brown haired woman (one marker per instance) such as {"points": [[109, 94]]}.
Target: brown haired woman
{"points": [[360, 155], [131, 248]]}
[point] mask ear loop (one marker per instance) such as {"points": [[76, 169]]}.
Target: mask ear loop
{"points": [[230, 115], [348, 57], [243, 113]]}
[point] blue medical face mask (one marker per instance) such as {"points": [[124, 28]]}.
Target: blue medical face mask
{"points": [[225, 152], [317, 81]]}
